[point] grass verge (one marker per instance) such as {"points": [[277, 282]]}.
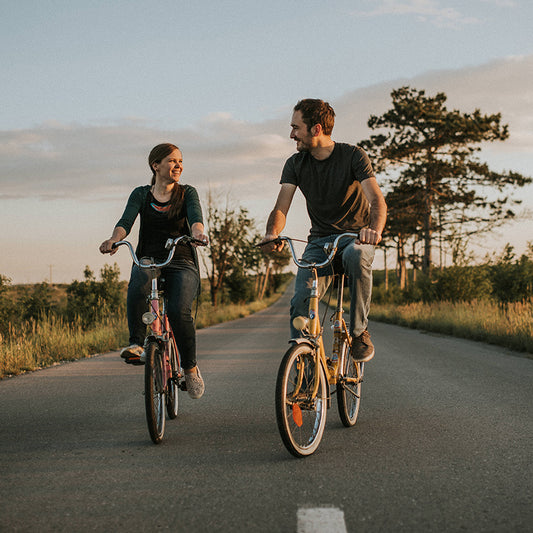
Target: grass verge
{"points": [[49, 341], [511, 327]]}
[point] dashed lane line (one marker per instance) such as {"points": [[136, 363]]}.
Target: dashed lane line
{"points": [[321, 520]]}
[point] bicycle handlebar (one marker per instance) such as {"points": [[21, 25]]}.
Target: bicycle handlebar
{"points": [[169, 245], [330, 249]]}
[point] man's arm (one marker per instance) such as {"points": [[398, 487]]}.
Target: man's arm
{"points": [[278, 217], [378, 212]]}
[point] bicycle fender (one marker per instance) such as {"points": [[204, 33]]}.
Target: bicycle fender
{"points": [[152, 338], [300, 340]]}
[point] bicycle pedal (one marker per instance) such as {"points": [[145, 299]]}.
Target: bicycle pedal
{"points": [[183, 386]]}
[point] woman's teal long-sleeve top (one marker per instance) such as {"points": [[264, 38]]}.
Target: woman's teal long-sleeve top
{"points": [[137, 201]]}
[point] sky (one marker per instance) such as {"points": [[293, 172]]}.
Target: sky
{"points": [[88, 88]]}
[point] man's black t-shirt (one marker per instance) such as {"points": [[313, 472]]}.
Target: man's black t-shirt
{"points": [[332, 188]]}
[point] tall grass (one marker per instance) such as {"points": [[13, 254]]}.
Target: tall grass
{"points": [[50, 340], [209, 315], [510, 326], [37, 344]]}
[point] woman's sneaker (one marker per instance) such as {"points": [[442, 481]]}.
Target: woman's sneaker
{"points": [[132, 354], [195, 384]]}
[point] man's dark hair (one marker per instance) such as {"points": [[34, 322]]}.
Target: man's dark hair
{"points": [[316, 111]]}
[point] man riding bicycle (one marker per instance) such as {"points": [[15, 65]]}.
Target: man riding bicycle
{"points": [[342, 195]]}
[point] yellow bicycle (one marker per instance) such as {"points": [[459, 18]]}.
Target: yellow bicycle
{"points": [[307, 377]]}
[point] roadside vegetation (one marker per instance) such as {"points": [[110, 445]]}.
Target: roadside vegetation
{"points": [[42, 325], [437, 191], [491, 302], [440, 197]]}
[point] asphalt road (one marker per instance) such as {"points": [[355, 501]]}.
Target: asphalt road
{"points": [[443, 443]]}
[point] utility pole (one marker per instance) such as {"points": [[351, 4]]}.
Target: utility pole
{"points": [[50, 274]]}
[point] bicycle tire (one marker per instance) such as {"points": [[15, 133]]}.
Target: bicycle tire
{"points": [[301, 420], [348, 393], [172, 386], [154, 392]]}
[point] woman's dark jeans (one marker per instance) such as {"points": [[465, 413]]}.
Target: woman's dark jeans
{"points": [[181, 282]]}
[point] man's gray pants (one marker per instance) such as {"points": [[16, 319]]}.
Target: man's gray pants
{"points": [[357, 264]]}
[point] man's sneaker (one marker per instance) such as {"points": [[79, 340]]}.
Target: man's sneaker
{"points": [[362, 348], [132, 354], [195, 384]]}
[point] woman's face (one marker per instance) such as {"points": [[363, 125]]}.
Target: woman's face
{"points": [[170, 168]]}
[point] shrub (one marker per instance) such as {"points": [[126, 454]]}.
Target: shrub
{"points": [[90, 301], [512, 279]]}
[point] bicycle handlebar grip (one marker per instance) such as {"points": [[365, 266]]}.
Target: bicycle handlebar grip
{"points": [[277, 240]]}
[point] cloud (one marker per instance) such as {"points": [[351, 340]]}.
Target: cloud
{"points": [[104, 162], [73, 161], [501, 3], [502, 86], [424, 10]]}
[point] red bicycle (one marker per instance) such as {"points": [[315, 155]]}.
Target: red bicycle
{"points": [[163, 376]]}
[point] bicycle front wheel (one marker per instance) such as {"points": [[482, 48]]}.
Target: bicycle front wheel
{"points": [[349, 387], [154, 392], [172, 387], [301, 416]]}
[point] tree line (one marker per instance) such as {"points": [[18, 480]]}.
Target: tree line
{"points": [[439, 195], [237, 272], [438, 191], [504, 278]]}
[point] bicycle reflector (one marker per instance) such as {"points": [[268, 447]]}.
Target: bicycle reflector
{"points": [[148, 318], [297, 415], [300, 322]]}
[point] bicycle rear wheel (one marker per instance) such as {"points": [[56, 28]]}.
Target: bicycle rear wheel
{"points": [[172, 387], [154, 392], [301, 418], [348, 390]]}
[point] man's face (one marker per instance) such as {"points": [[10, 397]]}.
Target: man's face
{"points": [[301, 134]]}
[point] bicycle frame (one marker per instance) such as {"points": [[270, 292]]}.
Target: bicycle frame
{"points": [[156, 318], [160, 331], [162, 371], [307, 378], [313, 336]]}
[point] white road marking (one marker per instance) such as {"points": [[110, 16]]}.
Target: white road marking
{"points": [[321, 520]]}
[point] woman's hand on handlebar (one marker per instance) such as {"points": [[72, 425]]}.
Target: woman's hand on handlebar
{"points": [[199, 236], [107, 247], [197, 233]]}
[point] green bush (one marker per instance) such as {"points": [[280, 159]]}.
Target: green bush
{"points": [[511, 278], [90, 301], [505, 279], [462, 284], [8, 308]]}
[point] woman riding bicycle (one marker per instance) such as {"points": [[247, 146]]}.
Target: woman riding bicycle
{"points": [[167, 210]]}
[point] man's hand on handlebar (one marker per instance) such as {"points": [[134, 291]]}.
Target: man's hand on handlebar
{"points": [[369, 236], [271, 243]]}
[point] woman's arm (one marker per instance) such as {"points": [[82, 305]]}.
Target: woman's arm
{"points": [[197, 232], [106, 247]]}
